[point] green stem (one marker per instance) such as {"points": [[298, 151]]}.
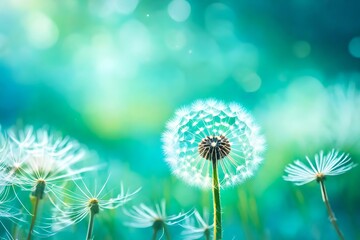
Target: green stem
{"points": [[33, 219], [329, 210], [216, 201], [157, 227], [91, 226], [38, 194], [207, 234], [166, 232], [154, 234]]}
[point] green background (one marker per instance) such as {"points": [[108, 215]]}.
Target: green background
{"points": [[111, 73]]}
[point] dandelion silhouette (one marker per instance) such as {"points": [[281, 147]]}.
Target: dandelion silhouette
{"points": [[211, 145], [331, 164]]}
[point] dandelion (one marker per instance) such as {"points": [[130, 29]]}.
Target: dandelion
{"points": [[42, 162], [331, 164], [197, 227], [83, 202], [144, 217], [211, 145]]}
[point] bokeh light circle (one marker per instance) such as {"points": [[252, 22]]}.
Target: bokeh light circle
{"points": [[179, 10], [354, 47], [301, 49], [41, 30]]}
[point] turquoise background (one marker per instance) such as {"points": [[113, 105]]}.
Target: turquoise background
{"points": [[112, 73]]}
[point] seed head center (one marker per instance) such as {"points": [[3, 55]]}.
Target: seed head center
{"points": [[94, 206], [214, 148], [320, 177], [39, 189]]}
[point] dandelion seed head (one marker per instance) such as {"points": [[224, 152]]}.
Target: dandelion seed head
{"points": [[214, 148], [41, 161], [94, 205], [85, 200], [143, 216], [319, 176], [158, 224], [39, 188], [197, 226], [207, 131], [332, 164]]}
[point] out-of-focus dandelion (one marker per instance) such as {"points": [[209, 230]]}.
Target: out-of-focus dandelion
{"points": [[197, 227], [83, 202], [7, 211], [42, 162], [341, 122], [211, 144], [331, 164], [143, 217]]}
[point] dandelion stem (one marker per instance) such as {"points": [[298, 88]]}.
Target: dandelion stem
{"points": [[154, 234], [166, 232], [33, 219], [94, 209], [91, 226], [329, 210], [216, 201], [38, 194], [207, 234], [158, 224]]}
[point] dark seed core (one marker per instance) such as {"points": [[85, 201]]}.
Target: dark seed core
{"points": [[214, 148], [158, 224], [320, 177], [39, 189], [94, 206]]}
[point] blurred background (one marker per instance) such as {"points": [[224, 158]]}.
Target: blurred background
{"points": [[111, 73]]}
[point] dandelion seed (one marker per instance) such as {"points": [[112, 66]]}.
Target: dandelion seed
{"points": [[211, 145], [331, 164], [197, 227], [144, 217], [83, 202]]}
